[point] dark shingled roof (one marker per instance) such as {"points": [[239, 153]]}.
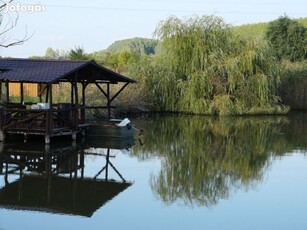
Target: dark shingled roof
{"points": [[51, 71]]}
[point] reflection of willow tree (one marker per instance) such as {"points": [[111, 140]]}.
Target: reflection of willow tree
{"points": [[296, 131], [206, 158]]}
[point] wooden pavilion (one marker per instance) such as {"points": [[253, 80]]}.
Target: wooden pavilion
{"points": [[47, 118]]}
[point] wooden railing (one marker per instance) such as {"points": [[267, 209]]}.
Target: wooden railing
{"points": [[37, 120]]}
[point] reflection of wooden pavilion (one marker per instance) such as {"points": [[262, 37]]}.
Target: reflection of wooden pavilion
{"points": [[51, 179], [52, 119], [59, 195]]}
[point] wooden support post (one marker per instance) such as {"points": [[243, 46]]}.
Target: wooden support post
{"points": [[1, 98], [75, 109], [48, 171], [2, 135], [108, 101], [51, 109], [83, 102], [39, 92], [82, 164], [107, 164], [47, 93], [7, 91], [118, 92], [101, 89], [72, 93], [49, 115], [47, 139], [21, 93]]}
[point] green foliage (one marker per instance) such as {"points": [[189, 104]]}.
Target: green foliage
{"points": [[253, 31], [101, 57], [288, 39], [26, 99], [158, 84], [77, 54], [139, 46], [302, 21], [55, 54], [206, 69], [193, 44], [294, 84], [121, 60], [201, 65]]}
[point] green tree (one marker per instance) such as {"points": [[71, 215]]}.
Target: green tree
{"points": [[77, 54], [101, 57], [139, 46], [205, 69], [120, 61], [287, 39], [55, 54]]}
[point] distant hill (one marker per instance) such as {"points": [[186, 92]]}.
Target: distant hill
{"points": [[251, 30], [136, 45], [258, 29]]}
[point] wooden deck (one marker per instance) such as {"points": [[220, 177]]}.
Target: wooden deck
{"points": [[56, 121]]}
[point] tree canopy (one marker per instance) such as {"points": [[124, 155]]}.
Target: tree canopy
{"points": [[77, 54], [135, 45], [206, 69], [288, 39]]}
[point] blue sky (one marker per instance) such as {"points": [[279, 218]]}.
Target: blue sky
{"points": [[95, 24]]}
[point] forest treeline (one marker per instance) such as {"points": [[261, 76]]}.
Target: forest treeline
{"points": [[203, 65]]}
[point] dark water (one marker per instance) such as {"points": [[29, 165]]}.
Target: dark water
{"points": [[183, 173]]}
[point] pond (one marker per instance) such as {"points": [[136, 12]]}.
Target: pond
{"points": [[184, 172]]}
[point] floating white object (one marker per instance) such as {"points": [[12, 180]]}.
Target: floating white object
{"points": [[40, 106], [124, 122], [44, 105], [35, 106]]}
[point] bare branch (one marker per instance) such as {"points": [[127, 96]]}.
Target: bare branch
{"points": [[4, 4], [10, 25], [18, 42]]}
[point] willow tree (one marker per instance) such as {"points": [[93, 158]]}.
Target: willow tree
{"points": [[216, 72]]}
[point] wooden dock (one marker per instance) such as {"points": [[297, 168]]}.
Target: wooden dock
{"points": [[45, 122]]}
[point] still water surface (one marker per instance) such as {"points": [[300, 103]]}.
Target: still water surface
{"points": [[183, 173]]}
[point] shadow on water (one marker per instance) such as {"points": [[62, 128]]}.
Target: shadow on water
{"points": [[204, 159], [52, 178]]}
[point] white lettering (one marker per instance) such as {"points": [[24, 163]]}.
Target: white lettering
{"points": [[12, 8], [17, 7], [23, 8]]}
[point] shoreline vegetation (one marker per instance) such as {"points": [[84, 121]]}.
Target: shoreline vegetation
{"points": [[202, 65]]}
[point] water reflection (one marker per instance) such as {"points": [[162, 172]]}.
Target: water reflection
{"points": [[53, 179], [205, 159]]}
